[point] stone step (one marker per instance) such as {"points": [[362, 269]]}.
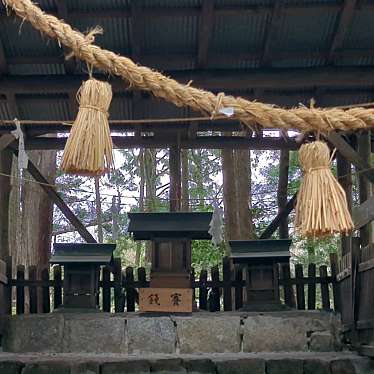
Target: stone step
{"points": [[200, 333], [239, 363]]}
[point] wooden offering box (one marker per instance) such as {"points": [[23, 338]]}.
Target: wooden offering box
{"points": [[171, 235], [81, 264], [261, 259]]}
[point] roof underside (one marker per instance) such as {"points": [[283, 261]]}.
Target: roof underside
{"points": [[281, 52]]}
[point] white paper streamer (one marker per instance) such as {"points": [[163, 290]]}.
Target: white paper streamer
{"points": [[23, 159], [227, 111], [216, 225]]}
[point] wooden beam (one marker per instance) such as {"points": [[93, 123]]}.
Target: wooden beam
{"points": [[56, 198], [345, 21], [229, 80], [62, 13], [3, 60], [209, 142], [364, 213], [365, 187], [206, 25], [351, 155], [5, 140], [272, 33], [270, 230]]}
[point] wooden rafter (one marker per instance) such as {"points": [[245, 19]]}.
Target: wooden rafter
{"points": [[272, 32], [230, 80], [345, 21], [205, 32], [3, 60], [62, 13], [208, 142], [167, 60]]}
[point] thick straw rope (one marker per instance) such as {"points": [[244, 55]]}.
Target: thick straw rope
{"points": [[143, 78]]}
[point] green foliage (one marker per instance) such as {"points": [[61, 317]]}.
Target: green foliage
{"points": [[205, 255]]}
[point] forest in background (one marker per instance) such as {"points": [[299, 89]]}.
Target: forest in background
{"points": [[243, 184]]}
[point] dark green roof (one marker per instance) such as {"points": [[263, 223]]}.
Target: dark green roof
{"points": [[260, 248], [146, 226], [65, 253]]}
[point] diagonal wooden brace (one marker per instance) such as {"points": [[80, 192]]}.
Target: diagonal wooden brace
{"points": [[56, 198], [351, 155]]}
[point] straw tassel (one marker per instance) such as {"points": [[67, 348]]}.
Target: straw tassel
{"points": [[88, 150], [321, 208]]}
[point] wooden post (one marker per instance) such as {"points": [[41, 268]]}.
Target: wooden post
{"points": [[57, 289], [130, 290], [215, 296], [355, 285], [335, 287], [5, 188], [20, 290], [3, 282], [325, 295], [300, 294], [343, 167], [46, 304], [311, 286], [203, 292], [227, 295], [106, 288], [282, 192], [118, 296], [238, 289], [175, 178], [365, 187], [33, 291], [289, 296]]}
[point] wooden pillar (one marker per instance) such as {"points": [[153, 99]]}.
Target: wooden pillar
{"points": [[5, 188], [365, 187], [284, 161], [175, 178], [344, 174]]}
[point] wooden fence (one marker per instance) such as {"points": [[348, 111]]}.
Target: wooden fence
{"points": [[220, 289], [355, 282]]}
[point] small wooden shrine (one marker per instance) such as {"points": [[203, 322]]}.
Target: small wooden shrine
{"points": [[171, 235], [81, 264], [261, 259]]}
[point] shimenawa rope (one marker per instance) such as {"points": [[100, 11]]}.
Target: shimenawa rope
{"points": [[140, 77]]}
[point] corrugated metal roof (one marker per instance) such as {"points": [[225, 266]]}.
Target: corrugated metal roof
{"points": [[34, 107], [20, 39], [97, 4], [305, 30], [157, 32], [239, 33], [36, 69], [362, 31], [116, 36]]}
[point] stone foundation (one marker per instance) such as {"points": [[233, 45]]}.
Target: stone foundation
{"points": [[200, 333], [239, 363]]}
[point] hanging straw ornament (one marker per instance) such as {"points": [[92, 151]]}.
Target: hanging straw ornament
{"points": [[321, 208], [88, 150]]}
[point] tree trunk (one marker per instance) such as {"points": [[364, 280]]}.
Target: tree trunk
{"points": [[150, 190], [243, 186], [99, 213], [5, 188], [141, 201], [185, 174], [229, 196], [284, 161]]}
